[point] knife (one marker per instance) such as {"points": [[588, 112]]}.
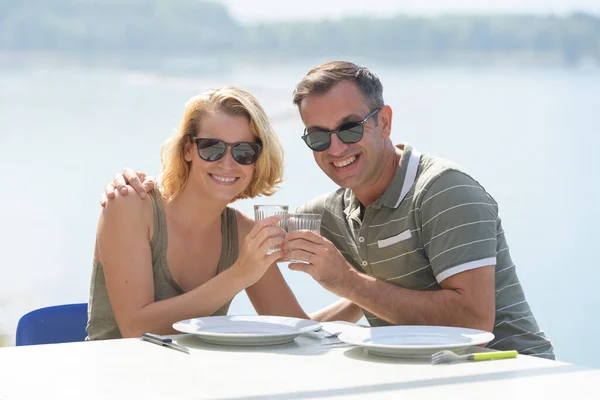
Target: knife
{"points": [[163, 341]]}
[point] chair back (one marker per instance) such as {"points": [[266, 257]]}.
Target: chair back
{"points": [[54, 324]]}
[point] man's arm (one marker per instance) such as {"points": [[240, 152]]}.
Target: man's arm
{"points": [[466, 300], [458, 228]]}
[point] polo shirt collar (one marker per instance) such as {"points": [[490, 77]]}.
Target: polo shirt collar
{"points": [[403, 181]]}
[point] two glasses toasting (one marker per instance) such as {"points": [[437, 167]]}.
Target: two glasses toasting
{"points": [[290, 221]]}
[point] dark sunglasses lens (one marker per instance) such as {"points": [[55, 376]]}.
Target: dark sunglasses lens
{"points": [[211, 149], [351, 132], [245, 153], [318, 140]]}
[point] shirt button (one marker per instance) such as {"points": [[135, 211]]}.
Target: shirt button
{"points": [[361, 239], [364, 263]]}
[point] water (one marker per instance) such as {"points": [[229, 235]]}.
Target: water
{"points": [[529, 135]]}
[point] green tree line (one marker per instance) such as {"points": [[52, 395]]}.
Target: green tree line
{"points": [[191, 26]]}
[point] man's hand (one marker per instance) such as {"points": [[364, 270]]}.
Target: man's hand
{"points": [[325, 262], [136, 179]]}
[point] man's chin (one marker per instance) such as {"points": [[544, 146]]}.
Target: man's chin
{"points": [[345, 182]]}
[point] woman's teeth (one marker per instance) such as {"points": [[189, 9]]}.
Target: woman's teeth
{"points": [[223, 178]]}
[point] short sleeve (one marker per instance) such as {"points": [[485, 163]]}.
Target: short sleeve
{"points": [[315, 206], [459, 222]]}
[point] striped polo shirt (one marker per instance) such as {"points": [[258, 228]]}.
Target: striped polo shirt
{"points": [[433, 221]]}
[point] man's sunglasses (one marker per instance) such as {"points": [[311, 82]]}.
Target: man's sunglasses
{"points": [[244, 153], [349, 132]]}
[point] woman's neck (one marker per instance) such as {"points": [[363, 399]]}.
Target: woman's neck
{"points": [[191, 210]]}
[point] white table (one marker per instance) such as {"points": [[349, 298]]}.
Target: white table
{"points": [[132, 369]]}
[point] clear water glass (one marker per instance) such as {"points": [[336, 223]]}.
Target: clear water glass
{"points": [[263, 211], [309, 222], [300, 221]]}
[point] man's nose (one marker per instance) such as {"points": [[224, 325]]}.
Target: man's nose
{"points": [[337, 147]]}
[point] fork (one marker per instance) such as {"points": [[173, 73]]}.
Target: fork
{"points": [[446, 356], [329, 335]]}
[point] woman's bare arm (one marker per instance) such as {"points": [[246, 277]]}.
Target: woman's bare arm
{"points": [[341, 310], [271, 295], [123, 244]]}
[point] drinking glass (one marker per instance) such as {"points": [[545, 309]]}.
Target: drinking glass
{"points": [[299, 221], [262, 211]]}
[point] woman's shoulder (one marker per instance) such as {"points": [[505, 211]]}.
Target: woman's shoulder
{"points": [[130, 205], [245, 223]]}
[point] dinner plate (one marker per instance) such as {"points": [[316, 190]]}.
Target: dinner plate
{"points": [[254, 330], [414, 341]]}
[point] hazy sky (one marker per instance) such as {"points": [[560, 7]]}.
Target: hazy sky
{"points": [[256, 10]]}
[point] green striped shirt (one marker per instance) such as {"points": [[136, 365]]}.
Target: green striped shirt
{"points": [[433, 221]]}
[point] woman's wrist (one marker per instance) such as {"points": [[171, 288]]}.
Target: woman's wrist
{"points": [[242, 276]]}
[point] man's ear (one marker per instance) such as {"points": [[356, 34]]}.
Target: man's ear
{"points": [[385, 119]]}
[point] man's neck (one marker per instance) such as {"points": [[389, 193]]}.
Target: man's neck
{"points": [[370, 193]]}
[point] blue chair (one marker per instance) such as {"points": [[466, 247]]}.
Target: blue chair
{"points": [[55, 324]]}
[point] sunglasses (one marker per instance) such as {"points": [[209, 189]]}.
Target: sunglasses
{"points": [[244, 153], [349, 132]]}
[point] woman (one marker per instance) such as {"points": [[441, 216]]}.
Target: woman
{"points": [[181, 252]]}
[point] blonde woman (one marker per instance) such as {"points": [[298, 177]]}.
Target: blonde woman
{"points": [[181, 251]]}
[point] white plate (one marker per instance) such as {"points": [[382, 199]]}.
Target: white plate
{"points": [[415, 341], [253, 330]]}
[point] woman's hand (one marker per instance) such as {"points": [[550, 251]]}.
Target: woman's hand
{"points": [[253, 260]]}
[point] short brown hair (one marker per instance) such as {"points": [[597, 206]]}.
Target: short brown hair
{"points": [[320, 80]]}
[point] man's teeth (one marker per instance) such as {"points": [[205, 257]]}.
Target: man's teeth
{"points": [[347, 161], [223, 178]]}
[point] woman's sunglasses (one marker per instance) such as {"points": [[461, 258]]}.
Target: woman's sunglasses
{"points": [[349, 132], [244, 153]]}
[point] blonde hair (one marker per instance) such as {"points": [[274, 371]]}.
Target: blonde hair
{"points": [[268, 169]]}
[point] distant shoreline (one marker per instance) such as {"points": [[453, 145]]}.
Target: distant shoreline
{"points": [[183, 62]]}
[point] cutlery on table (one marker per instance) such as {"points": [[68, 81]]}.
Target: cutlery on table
{"points": [[329, 335], [163, 341], [446, 356]]}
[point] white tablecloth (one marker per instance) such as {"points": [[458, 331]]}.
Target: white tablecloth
{"points": [[132, 369]]}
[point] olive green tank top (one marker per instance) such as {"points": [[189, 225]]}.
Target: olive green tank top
{"points": [[101, 320]]}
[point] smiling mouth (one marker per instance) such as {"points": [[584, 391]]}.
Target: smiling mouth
{"points": [[224, 179], [344, 163]]}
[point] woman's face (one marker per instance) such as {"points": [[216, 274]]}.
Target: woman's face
{"points": [[225, 178]]}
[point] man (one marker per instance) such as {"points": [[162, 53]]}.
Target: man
{"points": [[408, 239]]}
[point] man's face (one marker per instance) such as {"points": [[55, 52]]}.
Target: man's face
{"points": [[353, 166]]}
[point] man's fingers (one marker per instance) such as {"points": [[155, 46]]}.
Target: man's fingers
{"points": [[132, 178], [119, 184], [149, 184], [109, 191], [298, 255], [302, 267], [301, 244], [103, 200], [309, 236]]}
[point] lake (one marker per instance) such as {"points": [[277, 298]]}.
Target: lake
{"points": [[529, 135]]}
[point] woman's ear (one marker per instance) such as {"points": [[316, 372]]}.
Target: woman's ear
{"points": [[188, 148]]}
